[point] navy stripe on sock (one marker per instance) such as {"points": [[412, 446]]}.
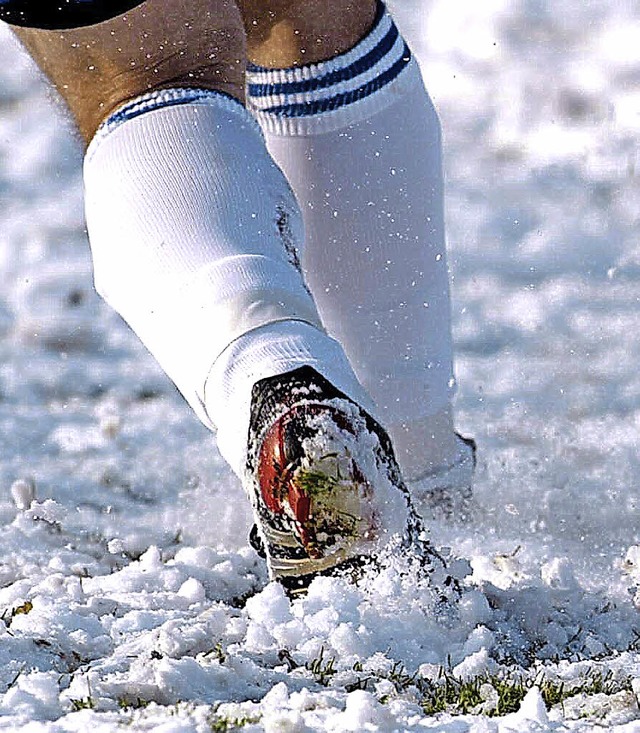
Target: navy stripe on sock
{"points": [[359, 66], [161, 99], [329, 104], [255, 69], [62, 14]]}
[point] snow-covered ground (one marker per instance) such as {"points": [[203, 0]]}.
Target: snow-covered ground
{"points": [[127, 593]]}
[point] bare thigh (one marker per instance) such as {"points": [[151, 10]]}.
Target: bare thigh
{"points": [[158, 44], [282, 33]]}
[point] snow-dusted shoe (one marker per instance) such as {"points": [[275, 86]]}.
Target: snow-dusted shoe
{"points": [[447, 490], [326, 489]]}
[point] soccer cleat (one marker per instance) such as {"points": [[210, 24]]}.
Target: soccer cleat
{"points": [[326, 489], [447, 490]]}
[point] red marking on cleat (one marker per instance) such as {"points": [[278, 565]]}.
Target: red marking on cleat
{"points": [[272, 473], [277, 464], [300, 503]]}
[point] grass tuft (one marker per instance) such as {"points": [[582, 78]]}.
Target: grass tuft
{"points": [[496, 695], [83, 703], [321, 669], [127, 703], [222, 725], [493, 695], [315, 483]]}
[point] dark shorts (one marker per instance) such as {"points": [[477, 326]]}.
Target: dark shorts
{"points": [[62, 14]]}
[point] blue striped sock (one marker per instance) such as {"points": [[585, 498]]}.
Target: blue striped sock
{"points": [[329, 86]]}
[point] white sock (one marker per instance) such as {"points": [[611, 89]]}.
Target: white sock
{"points": [[193, 232], [359, 140]]}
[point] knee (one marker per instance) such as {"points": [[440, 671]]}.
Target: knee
{"points": [[295, 32], [157, 44]]}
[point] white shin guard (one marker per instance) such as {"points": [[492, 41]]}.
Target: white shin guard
{"points": [[359, 141], [193, 232]]}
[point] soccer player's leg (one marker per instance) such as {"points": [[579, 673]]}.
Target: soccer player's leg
{"points": [[351, 125], [194, 234]]}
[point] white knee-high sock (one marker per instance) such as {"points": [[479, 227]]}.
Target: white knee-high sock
{"points": [[359, 140], [193, 232]]}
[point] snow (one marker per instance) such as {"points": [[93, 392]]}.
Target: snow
{"points": [[128, 594]]}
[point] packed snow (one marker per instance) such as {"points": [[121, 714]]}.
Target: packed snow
{"points": [[128, 595]]}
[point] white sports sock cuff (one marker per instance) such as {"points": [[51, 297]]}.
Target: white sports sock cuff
{"points": [[162, 98], [331, 94]]}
